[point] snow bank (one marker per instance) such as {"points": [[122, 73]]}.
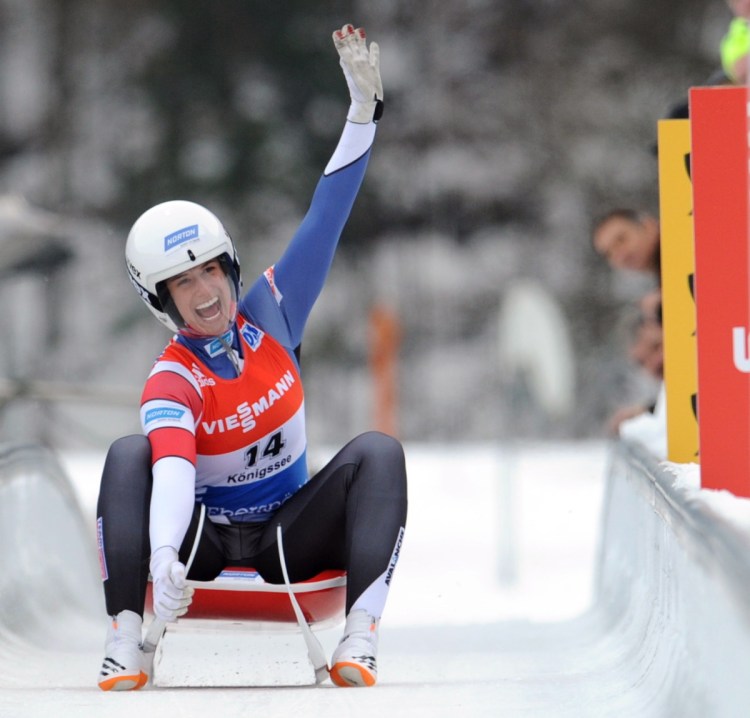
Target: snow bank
{"points": [[43, 535], [674, 586]]}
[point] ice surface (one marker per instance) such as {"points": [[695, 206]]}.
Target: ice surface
{"points": [[486, 617]]}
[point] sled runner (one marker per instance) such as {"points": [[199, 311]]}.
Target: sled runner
{"points": [[243, 631]]}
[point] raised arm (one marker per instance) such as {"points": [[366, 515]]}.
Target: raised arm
{"points": [[298, 277]]}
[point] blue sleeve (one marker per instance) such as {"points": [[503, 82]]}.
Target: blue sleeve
{"points": [[300, 273]]}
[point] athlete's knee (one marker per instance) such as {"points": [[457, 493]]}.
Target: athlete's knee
{"points": [[379, 445], [134, 447], [128, 459], [387, 453]]}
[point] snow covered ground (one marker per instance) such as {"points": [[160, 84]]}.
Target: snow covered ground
{"points": [[487, 613]]}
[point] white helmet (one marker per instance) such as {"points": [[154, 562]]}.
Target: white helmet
{"points": [[171, 238]]}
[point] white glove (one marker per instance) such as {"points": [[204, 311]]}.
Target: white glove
{"points": [[362, 72], [172, 595]]}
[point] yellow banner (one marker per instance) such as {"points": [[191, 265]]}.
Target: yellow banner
{"points": [[678, 300]]}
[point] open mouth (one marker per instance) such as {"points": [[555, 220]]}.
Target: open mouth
{"points": [[209, 310]]}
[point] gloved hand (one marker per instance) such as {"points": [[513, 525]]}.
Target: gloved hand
{"points": [[362, 72], [171, 594]]}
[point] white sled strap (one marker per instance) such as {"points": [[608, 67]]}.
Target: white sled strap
{"points": [[314, 649]]}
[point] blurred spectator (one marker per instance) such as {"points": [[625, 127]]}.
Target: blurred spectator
{"points": [[735, 45], [646, 424], [646, 350], [628, 239], [649, 305]]}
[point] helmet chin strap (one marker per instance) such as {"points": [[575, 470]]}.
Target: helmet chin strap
{"points": [[232, 354]]}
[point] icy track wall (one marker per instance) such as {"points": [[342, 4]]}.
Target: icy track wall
{"points": [[49, 579], [674, 591]]}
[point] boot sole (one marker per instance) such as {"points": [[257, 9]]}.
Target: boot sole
{"points": [[124, 683], [352, 675]]}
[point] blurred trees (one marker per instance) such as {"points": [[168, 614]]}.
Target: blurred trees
{"points": [[508, 126]]}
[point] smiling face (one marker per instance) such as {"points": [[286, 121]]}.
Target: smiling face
{"points": [[204, 298]]}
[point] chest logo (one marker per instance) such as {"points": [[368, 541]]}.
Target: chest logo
{"points": [[247, 412]]}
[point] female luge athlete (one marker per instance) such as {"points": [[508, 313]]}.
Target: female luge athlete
{"points": [[223, 416]]}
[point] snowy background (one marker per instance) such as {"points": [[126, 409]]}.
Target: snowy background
{"points": [[509, 126]]}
